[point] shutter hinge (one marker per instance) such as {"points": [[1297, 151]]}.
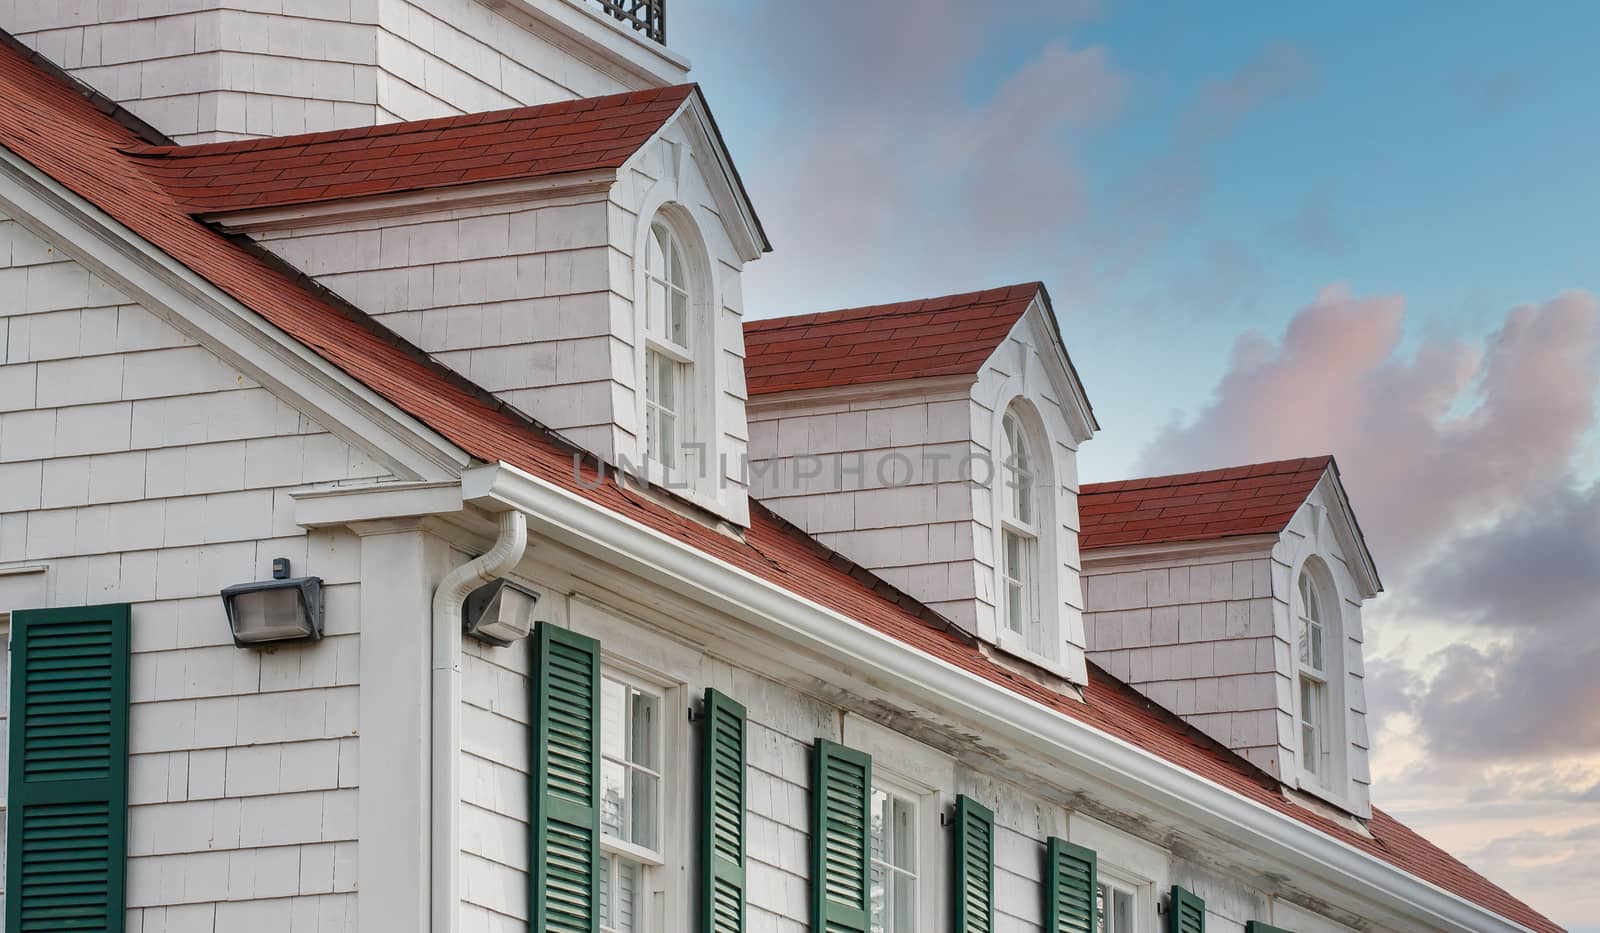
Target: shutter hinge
{"points": [[694, 713]]}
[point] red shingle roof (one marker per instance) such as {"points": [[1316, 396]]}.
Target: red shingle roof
{"points": [[1259, 498], [50, 125], [525, 142], [946, 336]]}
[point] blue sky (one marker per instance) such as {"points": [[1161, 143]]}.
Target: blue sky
{"points": [[1268, 230]]}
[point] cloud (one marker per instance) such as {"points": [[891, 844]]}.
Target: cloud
{"points": [[1427, 440], [1172, 186], [1313, 227], [1278, 70], [894, 143]]}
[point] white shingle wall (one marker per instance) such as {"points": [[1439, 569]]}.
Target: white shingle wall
{"points": [[201, 72], [495, 754], [880, 480], [514, 298], [142, 469], [1198, 638]]}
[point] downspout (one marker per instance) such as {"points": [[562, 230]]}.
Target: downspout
{"points": [[445, 835]]}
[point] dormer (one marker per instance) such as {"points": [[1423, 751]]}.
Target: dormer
{"points": [[1233, 598], [579, 260], [934, 442]]}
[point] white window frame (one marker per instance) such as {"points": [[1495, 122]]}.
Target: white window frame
{"points": [[1323, 770], [1109, 912], [1036, 535], [660, 345], [923, 800], [651, 910]]}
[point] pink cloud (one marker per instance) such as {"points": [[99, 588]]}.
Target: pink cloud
{"points": [[1428, 442]]}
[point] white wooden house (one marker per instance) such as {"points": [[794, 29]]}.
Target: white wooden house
{"points": [[801, 624]]}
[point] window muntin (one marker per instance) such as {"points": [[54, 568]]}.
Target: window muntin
{"points": [[631, 746], [668, 334], [894, 861], [1019, 538], [1313, 681], [1114, 905]]}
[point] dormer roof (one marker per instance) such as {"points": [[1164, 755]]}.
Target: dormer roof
{"points": [[566, 139], [949, 336], [1211, 505]]}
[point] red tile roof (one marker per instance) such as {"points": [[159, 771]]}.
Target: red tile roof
{"points": [[1258, 498], [946, 336], [56, 129], [525, 142]]}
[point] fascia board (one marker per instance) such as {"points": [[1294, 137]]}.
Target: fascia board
{"points": [[590, 528], [223, 325]]}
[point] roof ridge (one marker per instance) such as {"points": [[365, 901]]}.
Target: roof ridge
{"points": [[1011, 292], [171, 150], [1286, 465]]}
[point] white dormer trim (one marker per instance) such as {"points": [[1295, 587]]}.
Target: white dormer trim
{"points": [[733, 206], [1039, 320]]}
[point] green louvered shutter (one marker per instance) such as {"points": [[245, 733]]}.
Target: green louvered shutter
{"points": [[68, 820], [564, 825], [841, 846], [974, 887], [723, 809], [1256, 926], [1070, 880], [1186, 913]]}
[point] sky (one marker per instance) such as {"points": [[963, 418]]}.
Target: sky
{"points": [[1371, 230]]}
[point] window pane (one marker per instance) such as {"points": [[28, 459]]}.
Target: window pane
{"points": [[678, 318], [1316, 647], [655, 257], [613, 798], [655, 304], [1305, 641], [904, 836], [676, 276], [905, 903], [613, 718], [645, 728], [644, 790], [880, 900], [667, 434], [1122, 912], [880, 824]]}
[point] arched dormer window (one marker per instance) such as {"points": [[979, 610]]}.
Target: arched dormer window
{"points": [[1319, 699], [668, 357], [1026, 603]]}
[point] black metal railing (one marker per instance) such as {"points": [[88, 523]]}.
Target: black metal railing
{"points": [[646, 16]]}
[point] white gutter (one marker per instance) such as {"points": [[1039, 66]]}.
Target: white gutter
{"points": [[445, 853], [1068, 743]]}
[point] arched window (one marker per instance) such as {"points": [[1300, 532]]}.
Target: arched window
{"points": [[1317, 679], [1019, 540], [668, 359]]}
